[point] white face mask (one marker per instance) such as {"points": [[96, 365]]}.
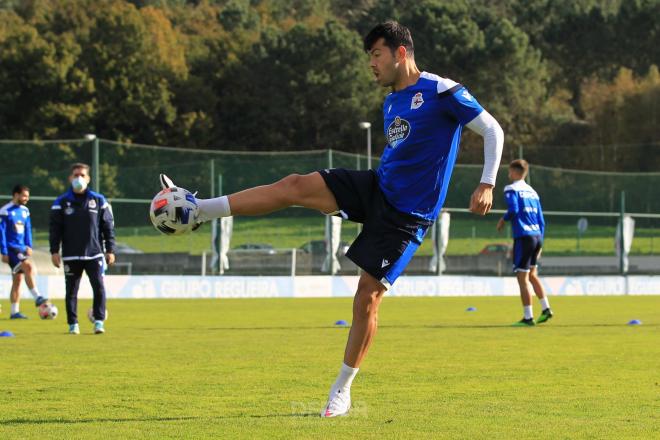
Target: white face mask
{"points": [[79, 184]]}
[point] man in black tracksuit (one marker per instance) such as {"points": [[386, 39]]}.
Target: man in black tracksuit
{"points": [[81, 220]]}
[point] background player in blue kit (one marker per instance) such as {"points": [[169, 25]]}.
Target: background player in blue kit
{"points": [[424, 116], [81, 221], [528, 226], [16, 247]]}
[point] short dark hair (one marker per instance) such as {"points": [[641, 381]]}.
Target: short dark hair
{"points": [[77, 165], [18, 188], [520, 165], [394, 34]]}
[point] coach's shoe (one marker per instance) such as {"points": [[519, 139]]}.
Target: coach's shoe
{"points": [[17, 315], [545, 315], [98, 327], [339, 403], [74, 329], [40, 300], [524, 323]]}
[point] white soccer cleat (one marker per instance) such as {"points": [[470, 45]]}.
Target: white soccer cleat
{"points": [[166, 182], [339, 404]]}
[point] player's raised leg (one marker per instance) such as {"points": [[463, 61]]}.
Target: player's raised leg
{"points": [[308, 191], [363, 329], [546, 312], [30, 271]]}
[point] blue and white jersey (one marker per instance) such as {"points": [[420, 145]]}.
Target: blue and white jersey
{"points": [[423, 125], [524, 210], [15, 228]]}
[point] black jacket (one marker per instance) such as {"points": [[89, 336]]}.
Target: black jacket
{"points": [[83, 224]]}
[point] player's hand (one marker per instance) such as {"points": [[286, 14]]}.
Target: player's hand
{"points": [[56, 260], [28, 251], [5, 258], [110, 258], [500, 225], [482, 199]]}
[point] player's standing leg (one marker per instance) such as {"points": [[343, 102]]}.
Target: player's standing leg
{"points": [[363, 329], [546, 312], [526, 298], [95, 270], [72, 273], [15, 296]]}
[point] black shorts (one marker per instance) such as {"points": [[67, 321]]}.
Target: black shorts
{"points": [[16, 258], [526, 252], [389, 238]]}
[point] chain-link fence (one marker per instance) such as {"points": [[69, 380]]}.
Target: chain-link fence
{"points": [[128, 175]]}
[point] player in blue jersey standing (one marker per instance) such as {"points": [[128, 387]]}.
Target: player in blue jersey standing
{"points": [[424, 116], [16, 248], [528, 226]]}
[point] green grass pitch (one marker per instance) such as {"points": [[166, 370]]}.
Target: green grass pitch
{"points": [[261, 368]]}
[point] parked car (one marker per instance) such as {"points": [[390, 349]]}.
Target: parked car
{"points": [[123, 248], [504, 249], [253, 248], [318, 247]]}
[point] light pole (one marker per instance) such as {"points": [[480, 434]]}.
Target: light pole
{"points": [[96, 173], [367, 126]]}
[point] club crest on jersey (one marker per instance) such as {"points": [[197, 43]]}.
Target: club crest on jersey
{"points": [[398, 131], [92, 203], [417, 101]]}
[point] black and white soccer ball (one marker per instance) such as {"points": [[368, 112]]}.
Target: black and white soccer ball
{"points": [[173, 211], [48, 310], [90, 315]]}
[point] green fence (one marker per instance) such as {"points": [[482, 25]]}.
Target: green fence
{"points": [[128, 175]]}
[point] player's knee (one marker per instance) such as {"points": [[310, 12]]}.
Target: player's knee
{"points": [[522, 277], [292, 186], [367, 301]]}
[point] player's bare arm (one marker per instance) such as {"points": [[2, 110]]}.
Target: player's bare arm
{"points": [[500, 225]]}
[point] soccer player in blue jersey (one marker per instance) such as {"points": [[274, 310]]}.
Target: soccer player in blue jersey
{"points": [[424, 117], [528, 226], [16, 248]]}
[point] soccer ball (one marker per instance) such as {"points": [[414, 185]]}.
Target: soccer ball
{"points": [[173, 211], [47, 311], [90, 315]]}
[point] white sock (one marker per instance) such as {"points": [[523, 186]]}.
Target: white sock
{"points": [[529, 314], [345, 378], [15, 308], [545, 304], [213, 208], [34, 292]]}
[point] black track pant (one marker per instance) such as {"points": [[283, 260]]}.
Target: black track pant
{"points": [[73, 270]]}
